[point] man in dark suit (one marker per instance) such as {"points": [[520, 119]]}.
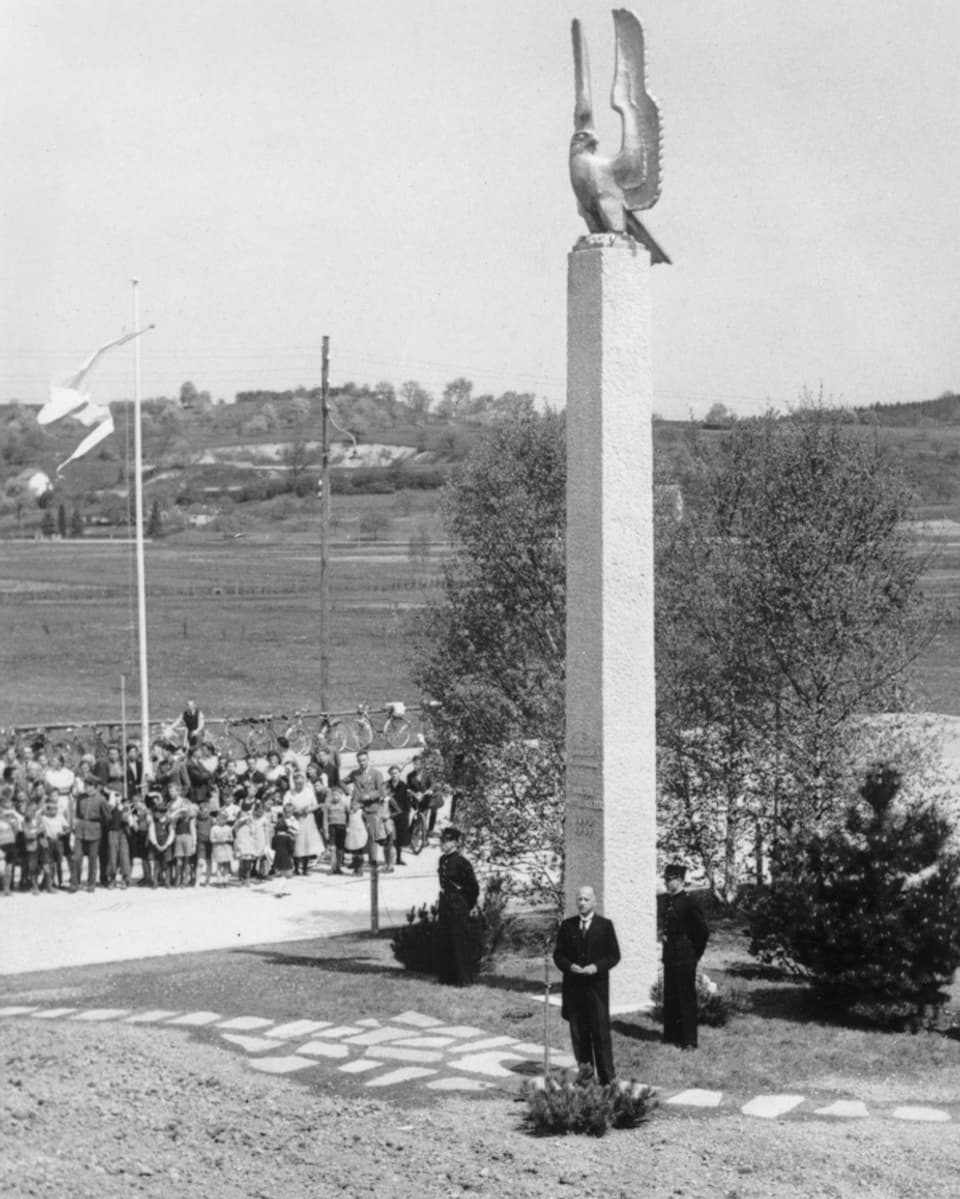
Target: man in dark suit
{"points": [[685, 936], [586, 952]]}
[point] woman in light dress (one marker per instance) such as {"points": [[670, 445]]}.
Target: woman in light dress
{"points": [[309, 844]]}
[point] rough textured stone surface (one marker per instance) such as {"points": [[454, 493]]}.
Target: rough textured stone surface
{"points": [[611, 737]]}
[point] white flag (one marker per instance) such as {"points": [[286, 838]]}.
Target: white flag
{"points": [[66, 399]]}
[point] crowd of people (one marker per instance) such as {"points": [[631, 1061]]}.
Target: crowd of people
{"points": [[197, 819]]}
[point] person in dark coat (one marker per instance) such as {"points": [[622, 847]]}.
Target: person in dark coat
{"points": [[459, 892], [585, 953], [685, 936]]}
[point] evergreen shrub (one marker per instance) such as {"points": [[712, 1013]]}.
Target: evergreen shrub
{"points": [[414, 945], [869, 913], [555, 1106]]}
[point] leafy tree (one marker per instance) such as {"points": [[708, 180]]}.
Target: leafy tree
{"points": [[62, 520], [417, 398], [298, 456], [456, 401], [188, 394], [788, 605], [870, 912], [491, 650], [76, 524], [374, 523], [48, 526], [155, 522]]}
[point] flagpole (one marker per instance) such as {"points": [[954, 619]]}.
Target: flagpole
{"points": [[141, 573]]}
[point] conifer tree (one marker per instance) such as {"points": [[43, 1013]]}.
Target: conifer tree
{"points": [[870, 912]]}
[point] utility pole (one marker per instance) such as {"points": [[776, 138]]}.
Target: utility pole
{"points": [[324, 525]]}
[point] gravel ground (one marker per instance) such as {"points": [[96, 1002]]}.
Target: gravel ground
{"points": [[112, 1112]]}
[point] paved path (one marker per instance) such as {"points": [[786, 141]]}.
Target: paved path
{"points": [[412, 1050], [41, 932]]}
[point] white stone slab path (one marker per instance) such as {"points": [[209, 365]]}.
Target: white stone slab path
{"points": [[416, 1049]]}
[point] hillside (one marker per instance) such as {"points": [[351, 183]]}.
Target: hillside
{"points": [[246, 466]]}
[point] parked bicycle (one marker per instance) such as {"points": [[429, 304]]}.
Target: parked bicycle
{"points": [[395, 731], [333, 734]]}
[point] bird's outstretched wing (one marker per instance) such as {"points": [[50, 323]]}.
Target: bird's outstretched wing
{"points": [[637, 167], [583, 109]]}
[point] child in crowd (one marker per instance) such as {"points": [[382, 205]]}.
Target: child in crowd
{"points": [[244, 843], [51, 854], [338, 812], [32, 834], [284, 839], [262, 836], [204, 855], [221, 838]]}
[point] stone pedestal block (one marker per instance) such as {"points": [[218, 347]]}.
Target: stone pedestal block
{"points": [[610, 839]]}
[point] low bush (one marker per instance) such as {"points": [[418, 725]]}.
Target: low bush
{"points": [[714, 1006], [566, 1106], [415, 944]]}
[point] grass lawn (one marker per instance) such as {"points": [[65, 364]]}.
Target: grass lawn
{"points": [[772, 1042]]}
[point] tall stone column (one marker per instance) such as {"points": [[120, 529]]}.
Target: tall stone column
{"points": [[610, 838]]}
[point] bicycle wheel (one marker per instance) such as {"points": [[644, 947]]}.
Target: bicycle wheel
{"points": [[397, 731], [362, 732], [337, 736], [300, 740], [418, 834], [259, 740]]}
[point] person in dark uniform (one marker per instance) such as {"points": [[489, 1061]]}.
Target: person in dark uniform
{"points": [[685, 936], [585, 953], [400, 800], [459, 892]]}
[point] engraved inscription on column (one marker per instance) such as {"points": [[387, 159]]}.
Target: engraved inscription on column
{"points": [[584, 794]]}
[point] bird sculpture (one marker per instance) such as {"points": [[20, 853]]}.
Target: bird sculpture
{"points": [[610, 191]]}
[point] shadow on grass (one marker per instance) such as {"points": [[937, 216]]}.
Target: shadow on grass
{"points": [[635, 1032], [344, 964]]}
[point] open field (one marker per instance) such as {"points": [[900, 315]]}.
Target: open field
{"points": [[235, 623]]}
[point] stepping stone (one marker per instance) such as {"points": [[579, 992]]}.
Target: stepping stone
{"points": [[249, 1044], [487, 1043], [154, 1016], [459, 1084], [425, 1042], [849, 1108], [298, 1028], [53, 1013], [369, 1022], [197, 1019], [933, 1114], [324, 1049], [697, 1098], [463, 1031], [485, 1063], [533, 1049], [392, 1054], [417, 1019], [102, 1013], [375, 1036], [16, 1011], [280, 1065], [245, 1023], [769, 1107], [361, 1065], [339, 1030], [406, 1074]]}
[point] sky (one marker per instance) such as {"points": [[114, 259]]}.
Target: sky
{"points": [[394, 175]]}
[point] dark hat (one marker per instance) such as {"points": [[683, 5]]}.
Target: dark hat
{"points": [[675, 870], [450, 834]]}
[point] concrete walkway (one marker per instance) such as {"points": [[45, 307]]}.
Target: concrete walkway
{"points": [[43, 932]]}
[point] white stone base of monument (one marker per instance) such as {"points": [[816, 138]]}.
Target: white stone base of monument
{"points": [[610, 838]]}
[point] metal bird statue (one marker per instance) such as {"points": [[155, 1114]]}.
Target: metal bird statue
{"points": [[610, 191]]}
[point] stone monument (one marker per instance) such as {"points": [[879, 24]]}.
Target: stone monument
{"points": [[610, 831]]}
